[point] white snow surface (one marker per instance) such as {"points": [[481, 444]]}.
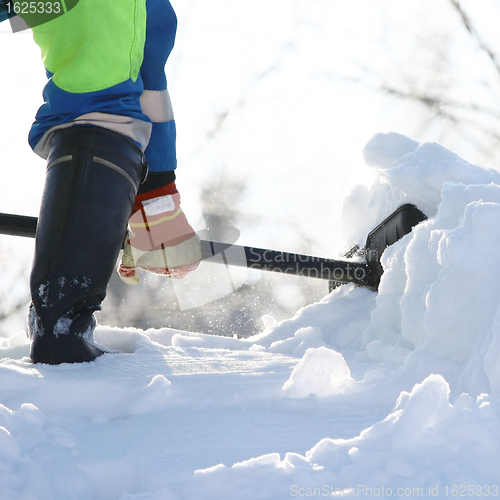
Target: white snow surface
{"points": [[395, 393]]}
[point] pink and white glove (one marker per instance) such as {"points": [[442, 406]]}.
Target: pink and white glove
{"points": [[160, 239]]}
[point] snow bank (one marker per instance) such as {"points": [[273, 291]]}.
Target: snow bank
{"points": [[395, 393]]}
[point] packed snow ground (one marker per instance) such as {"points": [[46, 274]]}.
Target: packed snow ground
{"points": [[362, 394]]}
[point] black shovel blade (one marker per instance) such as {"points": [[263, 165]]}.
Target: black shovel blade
{"points": [[392, 229], [388, 232]]}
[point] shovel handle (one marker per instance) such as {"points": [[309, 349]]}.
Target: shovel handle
{"points": [[18, 225], [243, 256], [307, 266]]}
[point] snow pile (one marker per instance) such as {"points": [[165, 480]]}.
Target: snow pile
{"points": [[361, 394], [440, 293]]}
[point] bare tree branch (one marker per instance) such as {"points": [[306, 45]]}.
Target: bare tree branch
{"points": [[475, 34]]}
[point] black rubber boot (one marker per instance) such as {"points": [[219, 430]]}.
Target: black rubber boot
{"points": [[92, 179]]}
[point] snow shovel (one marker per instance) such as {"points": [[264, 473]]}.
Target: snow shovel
{"points": [[337, 272]]}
